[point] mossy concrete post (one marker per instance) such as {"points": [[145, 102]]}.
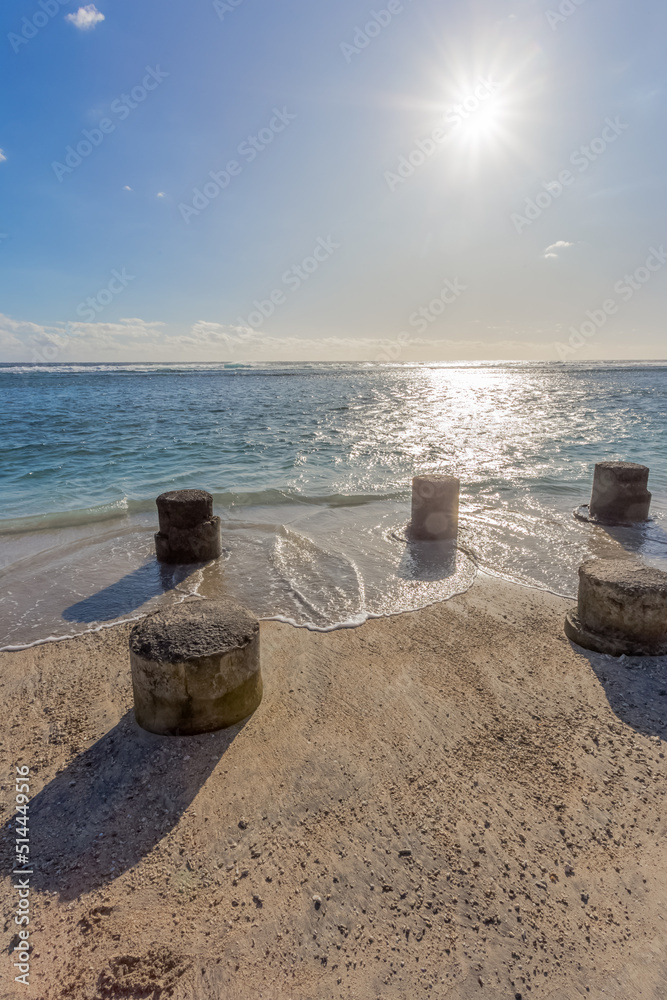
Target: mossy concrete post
{"points": [[622, 608], [435, 508], [195, 667], [620, 494], [189, 532]]}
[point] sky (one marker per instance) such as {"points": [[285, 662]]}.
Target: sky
{"points": [[246, 180]]}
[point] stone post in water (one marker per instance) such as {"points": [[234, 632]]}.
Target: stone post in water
{"points": [[189, 532], [435, 508], [620, 494]]}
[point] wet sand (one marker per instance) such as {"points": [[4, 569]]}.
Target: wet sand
{"points": [[455, 803]]}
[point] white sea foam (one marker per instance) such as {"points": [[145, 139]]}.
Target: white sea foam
{"points": [[71, 635], [310, 467]]}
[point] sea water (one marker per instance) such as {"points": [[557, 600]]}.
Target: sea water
{"points": [[310, 468]]}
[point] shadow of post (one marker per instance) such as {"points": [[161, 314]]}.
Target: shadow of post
{"points": [[427, 561], [636, 689], [129, 593], [109, 808], [645, 539]]}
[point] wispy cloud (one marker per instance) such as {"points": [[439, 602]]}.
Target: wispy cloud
{"points": [[205, 341], [86, 17], [554, 250], [127, 187], [79, 341], [161, 194], [2, 156]]}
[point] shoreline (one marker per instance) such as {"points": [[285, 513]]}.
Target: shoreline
{"points": [[313, 565], [449, 782], [363, 618]]}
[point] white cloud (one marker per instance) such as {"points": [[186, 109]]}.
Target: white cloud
{"points": [[213, 341], [86, 17], [161, 194], [553, 250], [138, 340], [127, 188], [78, 341], [2, 156]]}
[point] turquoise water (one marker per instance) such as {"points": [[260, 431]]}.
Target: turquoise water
{"points": [[310, 468]]}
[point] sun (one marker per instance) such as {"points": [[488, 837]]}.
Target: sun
{"points": [[485, 100], [484, 124], [479, 118]]}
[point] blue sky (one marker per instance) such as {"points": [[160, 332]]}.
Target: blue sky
{"points": [[338, 225]]}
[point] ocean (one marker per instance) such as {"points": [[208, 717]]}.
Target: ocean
{"points": [[310, 468]]}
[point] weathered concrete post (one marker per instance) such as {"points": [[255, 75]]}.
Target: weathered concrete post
{"points": [[622, 608], [195, 668], [620, 494], [435, 508], [189, 532]]}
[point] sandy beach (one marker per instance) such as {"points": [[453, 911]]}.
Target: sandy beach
{"points": [[455, 802], [333, 391]]}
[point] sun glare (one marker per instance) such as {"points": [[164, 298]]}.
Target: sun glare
{"points": [[478, 122], [483, 123], [485, 104]]}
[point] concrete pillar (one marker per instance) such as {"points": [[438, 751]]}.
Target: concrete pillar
{"points": [[435, 508], [622, 608], [195, 667], [189, 533], [620, 494]]}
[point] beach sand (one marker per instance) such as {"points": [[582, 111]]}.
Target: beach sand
{"points": [[455, 802]]}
